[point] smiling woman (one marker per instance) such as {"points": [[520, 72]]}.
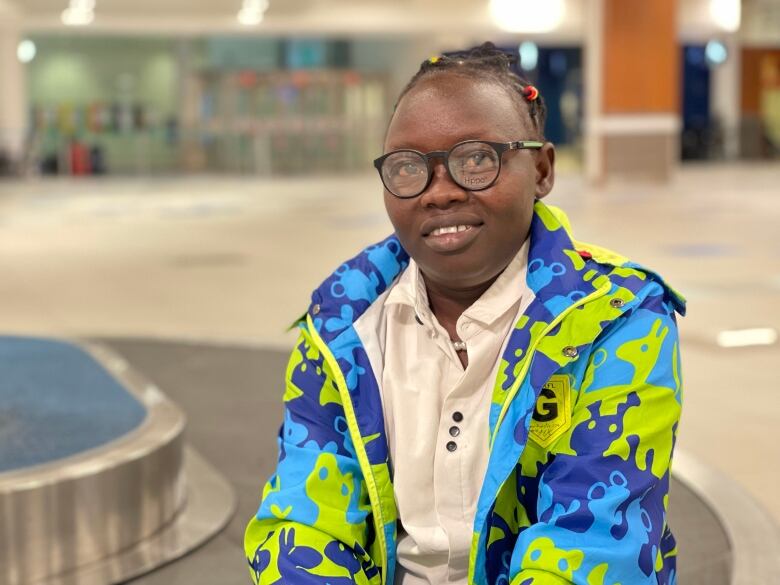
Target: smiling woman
{"points": [[440, 111], [479, 398]]}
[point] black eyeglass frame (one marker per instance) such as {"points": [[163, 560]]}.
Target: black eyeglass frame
{"points": [[499, 147]]}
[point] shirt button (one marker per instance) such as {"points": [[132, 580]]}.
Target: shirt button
{"points": [[617, 303], [452, 446], [454, 431], [457, 416], [315, 309]]}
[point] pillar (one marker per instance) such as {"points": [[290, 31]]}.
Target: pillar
{"points": [[633, 89], [13, 85], [725, 96]]}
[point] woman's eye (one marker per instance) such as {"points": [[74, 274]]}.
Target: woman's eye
{"points": [[479, 159], [410, 169], [406, 169]]}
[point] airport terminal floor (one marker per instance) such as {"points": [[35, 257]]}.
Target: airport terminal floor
{"points": [[193, 282]]}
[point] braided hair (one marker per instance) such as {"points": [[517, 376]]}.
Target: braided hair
{"points": [[489, 63]]}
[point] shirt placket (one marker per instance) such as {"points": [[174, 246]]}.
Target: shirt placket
{"points": [[457, 449], [451, 461]]}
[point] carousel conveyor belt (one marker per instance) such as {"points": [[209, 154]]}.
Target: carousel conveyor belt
{"points": [[231, 398]]}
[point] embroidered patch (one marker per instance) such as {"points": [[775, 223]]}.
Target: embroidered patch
{"points": [[552, 413]]}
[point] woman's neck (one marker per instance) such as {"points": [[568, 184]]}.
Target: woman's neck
{"points": [[448, 303]]}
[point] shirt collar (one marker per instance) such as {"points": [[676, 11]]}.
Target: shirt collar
{"points": [[508, 288]]}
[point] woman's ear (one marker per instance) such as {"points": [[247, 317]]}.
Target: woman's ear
{"points": [[545, 170]]}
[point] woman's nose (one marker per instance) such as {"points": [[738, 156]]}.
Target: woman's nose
{"points": [[442, 190]]}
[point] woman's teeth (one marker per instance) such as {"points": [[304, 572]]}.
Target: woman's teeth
{"points": [[450, 229]]}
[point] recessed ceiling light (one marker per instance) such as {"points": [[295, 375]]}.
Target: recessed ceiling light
{"points": [[528, 16], [252, 12], [79, 13], [726, 14]]}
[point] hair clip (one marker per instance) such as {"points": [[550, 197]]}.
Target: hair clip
{"points": [[433, 60], [530, 92]]}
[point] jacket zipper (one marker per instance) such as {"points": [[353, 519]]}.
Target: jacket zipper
{"points": [[357, 439]]}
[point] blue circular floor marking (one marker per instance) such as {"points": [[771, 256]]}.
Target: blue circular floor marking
{"points": [[56, 401]]}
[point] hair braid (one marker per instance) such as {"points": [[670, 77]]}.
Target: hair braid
{"points": [[485, 62]]}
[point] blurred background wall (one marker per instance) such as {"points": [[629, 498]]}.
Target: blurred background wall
{"points": [[306, 86]]}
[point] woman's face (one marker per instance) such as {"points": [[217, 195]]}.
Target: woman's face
{"points": [[435, 115]]}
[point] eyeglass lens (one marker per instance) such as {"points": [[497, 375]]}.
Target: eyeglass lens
{"points": [[472, 165]]}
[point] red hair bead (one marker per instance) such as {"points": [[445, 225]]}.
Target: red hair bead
{"points": [[530, 92]]}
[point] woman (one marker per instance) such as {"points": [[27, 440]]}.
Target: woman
{"points": [[478, 398]]}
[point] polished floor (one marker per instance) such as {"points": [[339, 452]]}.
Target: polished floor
{"points": [[232, 259]]}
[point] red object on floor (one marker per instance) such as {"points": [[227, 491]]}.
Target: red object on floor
{"points": [[79, 159]]}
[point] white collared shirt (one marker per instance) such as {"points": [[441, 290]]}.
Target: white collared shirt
{"points": [[436, 417]]}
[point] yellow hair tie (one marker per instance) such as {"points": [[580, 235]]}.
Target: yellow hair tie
{"points": [[434, 60]]}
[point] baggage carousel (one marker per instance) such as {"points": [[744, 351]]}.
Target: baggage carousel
{"points": [[140, 461]]}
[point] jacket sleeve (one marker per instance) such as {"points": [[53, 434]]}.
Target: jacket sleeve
{"points": [[602, 496], [313, 522]]}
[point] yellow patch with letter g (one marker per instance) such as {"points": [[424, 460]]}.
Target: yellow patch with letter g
{"points": [[552, 412]]}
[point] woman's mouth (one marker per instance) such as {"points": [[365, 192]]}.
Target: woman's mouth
{"points": [[450, 230], [452, 238]]}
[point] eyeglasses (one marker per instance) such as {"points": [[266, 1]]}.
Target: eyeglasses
{"points": [[473, 165]]}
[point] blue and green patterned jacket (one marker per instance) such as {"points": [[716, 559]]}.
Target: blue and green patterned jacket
{"points": [[583, 421]]}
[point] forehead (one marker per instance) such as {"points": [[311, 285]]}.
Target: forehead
{"points": [[445, 109]]}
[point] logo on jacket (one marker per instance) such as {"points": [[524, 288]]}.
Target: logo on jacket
{"points": [[552, 413]]}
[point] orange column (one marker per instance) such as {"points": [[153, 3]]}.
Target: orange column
{"points": [[635, 122], [641, 57]]}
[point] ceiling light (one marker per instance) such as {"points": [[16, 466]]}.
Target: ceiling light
{"points": [[79, 13], [726, 14], [252, 12], [747, 337], [26, 50], [528, 16]]}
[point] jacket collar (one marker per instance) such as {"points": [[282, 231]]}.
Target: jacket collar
{"points": [[556, 273], [350, 290]]}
